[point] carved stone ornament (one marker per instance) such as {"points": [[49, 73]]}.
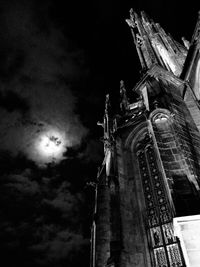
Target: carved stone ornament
{"points": [[130, 23], [139, 39]]}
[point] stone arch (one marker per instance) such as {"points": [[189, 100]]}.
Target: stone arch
{"points": [[135, 136], [161, 114], [154, 202]]}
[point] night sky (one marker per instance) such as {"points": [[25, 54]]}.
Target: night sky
{"points": [[58, 59]]}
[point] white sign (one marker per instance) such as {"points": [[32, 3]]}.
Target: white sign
{"points": [[187, 229]]}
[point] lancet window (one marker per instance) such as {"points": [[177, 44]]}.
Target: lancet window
{"points": [[164, 246]]}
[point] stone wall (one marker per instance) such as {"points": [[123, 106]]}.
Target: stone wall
{"points": [[132, 208], [178, 140], [102, 224]]}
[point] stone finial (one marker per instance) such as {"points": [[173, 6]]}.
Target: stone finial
{"points": [[122, 87], [124, 100], [185, 42], [131, 21], [107, 103], [131, 12]]}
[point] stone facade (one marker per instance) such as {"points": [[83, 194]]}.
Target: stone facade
{"points": [[150, 173]]}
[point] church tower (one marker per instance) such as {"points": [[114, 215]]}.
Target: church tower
{"points": [[147, 206]]}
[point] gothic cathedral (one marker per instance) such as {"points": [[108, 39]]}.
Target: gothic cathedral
{"points": [[147, 206]]}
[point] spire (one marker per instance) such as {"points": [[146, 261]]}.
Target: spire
{"points": [[153, 45], [196, 34], [106, 123], [136, 37], [107, 104], [191, 70]]}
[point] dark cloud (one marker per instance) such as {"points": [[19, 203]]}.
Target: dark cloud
{"points": [[11, 101], [66, 202], [37, 73], [93, 152], [40, 223], [63, 247]]}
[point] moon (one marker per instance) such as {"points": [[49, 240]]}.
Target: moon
{"points": [[50, 146]]}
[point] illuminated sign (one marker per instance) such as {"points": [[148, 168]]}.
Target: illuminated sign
{"points": [[187, 229]]}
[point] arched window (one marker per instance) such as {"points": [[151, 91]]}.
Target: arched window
{"points": [[163, 245]]}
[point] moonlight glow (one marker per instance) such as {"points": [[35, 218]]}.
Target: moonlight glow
{"points": [[50, 146]]}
